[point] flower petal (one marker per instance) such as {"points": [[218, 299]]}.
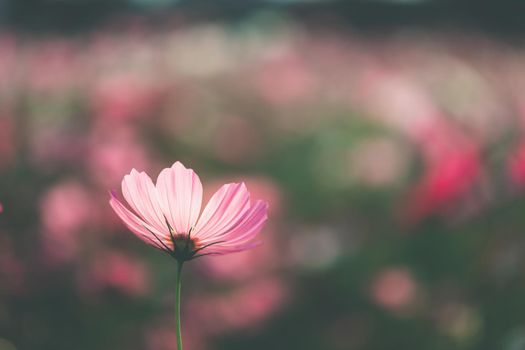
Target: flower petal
{"points": [[141, 194], [223, 210], [141, 229], [180, 196], [245, 229]]}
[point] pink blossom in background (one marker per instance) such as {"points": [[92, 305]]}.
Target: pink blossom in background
{"points": [[111, 156], [444, 183], [520, 109], [516, 165], [105, 48], [65, 210], [315, 247], [515, 162], [438, 138], [243, 307], [51, 145], [53, 66], [394, 288], [122, 97], [284, 78], [166, 215], [115, 271], [66, 207], [396, 100], [375, 162], [330, 58], [452, 166], [111, 153]]}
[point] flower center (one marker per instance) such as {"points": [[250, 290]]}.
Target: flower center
{"points": [[184, 247]]}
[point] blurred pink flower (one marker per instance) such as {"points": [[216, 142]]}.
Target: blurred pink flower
{"points": [[285, 78], [516, 165], [438, 138], [452, 166], [116, 271], [315, 247], [396, 100], [167, 215], [394, 288], [53, 144], [53, 66], [444, 182], [65, 209], [110, 157], [375, 162], [121, 97], [244, 307]]}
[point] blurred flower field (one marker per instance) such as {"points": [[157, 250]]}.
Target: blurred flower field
{"points": [[394, 166]]}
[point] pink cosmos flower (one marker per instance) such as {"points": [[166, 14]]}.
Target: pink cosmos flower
{"points": [[110, 156], [63, 221], [116, 271], [246, 306], [453, 167], [444, 183], [394, 288], [123, 97], [168, 215], [516, 165]]}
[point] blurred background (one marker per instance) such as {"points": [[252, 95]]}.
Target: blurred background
{"points": [[388, 137]]}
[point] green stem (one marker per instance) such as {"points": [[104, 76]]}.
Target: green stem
{"points": [[177, 305]]}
